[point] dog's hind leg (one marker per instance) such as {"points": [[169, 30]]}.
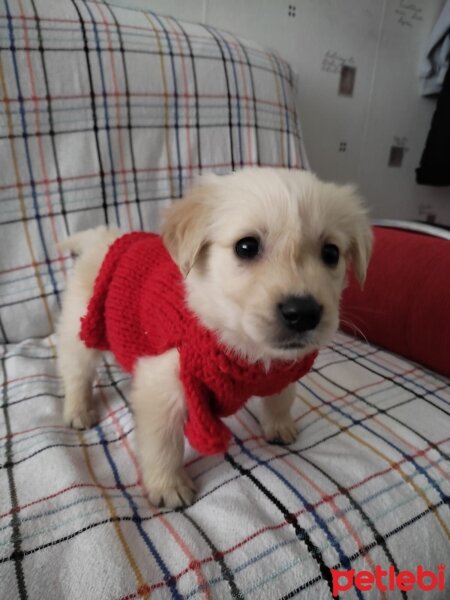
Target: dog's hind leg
{"points": [[78, 366], [76, 363]]}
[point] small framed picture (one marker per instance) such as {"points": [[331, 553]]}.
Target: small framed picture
{"points": [[396, 156], [347, 80]]}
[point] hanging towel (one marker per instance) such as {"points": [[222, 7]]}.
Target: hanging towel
{"points": [[435, 60]]}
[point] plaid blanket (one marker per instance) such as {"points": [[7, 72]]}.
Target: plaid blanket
{"points": [[106, 114], [367, 483]]}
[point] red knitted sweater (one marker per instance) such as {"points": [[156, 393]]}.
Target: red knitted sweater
{"points": [[138, 309]]}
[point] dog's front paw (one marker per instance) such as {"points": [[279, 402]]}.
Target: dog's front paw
{"points": [[80, 418], [280, 431], [171, 492]]}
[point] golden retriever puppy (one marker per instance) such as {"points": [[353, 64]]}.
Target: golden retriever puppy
{"points": [[260, 259]]}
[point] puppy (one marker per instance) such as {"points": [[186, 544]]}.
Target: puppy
{"points": [[260, 257]]}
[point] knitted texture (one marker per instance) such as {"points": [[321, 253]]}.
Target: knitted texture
{"points": [[138, 309]]}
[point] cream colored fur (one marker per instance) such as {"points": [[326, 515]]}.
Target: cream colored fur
{"points": [[293, 214]]}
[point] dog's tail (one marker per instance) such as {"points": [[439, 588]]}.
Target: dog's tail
{"points": [[81, 241]]}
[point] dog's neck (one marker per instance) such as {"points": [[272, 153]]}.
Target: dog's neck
{"points": [[226, 323]]}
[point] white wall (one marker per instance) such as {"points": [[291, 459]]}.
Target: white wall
{"points": [[347, 138]]}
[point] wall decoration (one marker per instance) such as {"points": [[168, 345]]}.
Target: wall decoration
{"points": [[292, 10], [332, 62], [347, 80], [397, 152], [408, 13]]}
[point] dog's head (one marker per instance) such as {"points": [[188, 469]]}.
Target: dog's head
{"points": [[264, 253]]}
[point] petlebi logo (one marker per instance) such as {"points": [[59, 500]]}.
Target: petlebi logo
{"points": [[388, 580]]}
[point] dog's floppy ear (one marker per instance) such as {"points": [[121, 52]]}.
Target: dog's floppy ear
{"points": [[185, 226], [351, 217], [361, 234], [361, 249]]}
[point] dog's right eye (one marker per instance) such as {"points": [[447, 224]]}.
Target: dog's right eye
{"points": [[330, 254], [247, 248]]}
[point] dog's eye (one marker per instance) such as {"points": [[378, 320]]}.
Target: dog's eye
{"points": [[330, 254], [247, 248]]}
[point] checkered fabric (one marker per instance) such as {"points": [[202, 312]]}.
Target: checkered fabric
{"points": [[106, 113], [367, 483]]}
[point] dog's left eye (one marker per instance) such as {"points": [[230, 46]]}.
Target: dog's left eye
{"points": [[247, 248], [330, 254]]}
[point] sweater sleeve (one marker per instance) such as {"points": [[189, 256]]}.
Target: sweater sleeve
{"points": [[205, 431]]}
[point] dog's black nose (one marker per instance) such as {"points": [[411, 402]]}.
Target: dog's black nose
{"points": [[300, 313]]}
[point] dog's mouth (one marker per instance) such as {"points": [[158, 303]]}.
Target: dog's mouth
{"points": [[295, 342], [290, 345], [275, 342]]}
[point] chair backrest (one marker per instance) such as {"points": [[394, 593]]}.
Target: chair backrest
{"points": [[106, 114]]}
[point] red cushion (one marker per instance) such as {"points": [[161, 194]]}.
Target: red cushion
{"points": [[405, 305]]}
